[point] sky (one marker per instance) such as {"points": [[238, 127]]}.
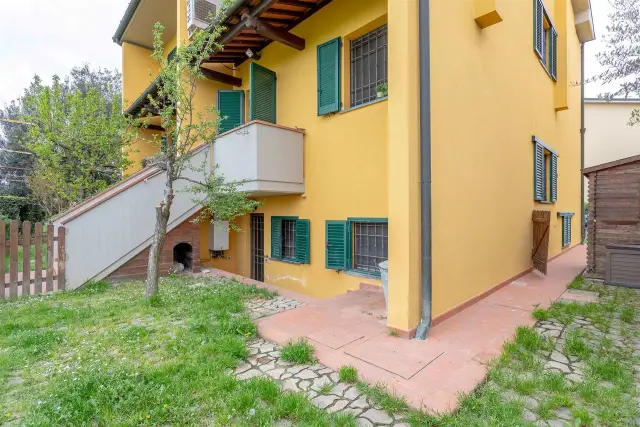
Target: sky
{"points": [[47, 37]]}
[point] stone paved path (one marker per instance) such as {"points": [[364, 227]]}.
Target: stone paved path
{"points": [[258, 308], [321, 384], [571, 367]]}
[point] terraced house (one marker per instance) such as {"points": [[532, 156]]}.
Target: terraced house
{"points": [[424, 133]]}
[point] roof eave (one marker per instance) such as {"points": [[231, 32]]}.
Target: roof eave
{"points": [[126, 19]]}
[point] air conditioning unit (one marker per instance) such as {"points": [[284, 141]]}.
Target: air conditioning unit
{"points": [[200, 14]]}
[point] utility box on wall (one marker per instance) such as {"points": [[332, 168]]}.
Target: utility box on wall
{"points": [[219, 236]]}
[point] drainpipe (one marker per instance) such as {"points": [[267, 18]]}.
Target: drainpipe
{"points": [[425, 170], [582, 131]]}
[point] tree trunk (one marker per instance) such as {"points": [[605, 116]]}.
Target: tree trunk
{"points": [[163, 211]]}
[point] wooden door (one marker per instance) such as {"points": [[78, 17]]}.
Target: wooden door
{"points": [[540, 252]]}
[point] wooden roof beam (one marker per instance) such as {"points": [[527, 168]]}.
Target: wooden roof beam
{"points": [[273, 33], [217, 76], [297, 3]]}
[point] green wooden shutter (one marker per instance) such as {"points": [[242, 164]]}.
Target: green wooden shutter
{"points": [[538, 28], [276, 237], [553, 52], [336, 245], [553, 177], [328, 57], [539, 187], [303, 230], [231, 109], [262, 98], [566, 228]]}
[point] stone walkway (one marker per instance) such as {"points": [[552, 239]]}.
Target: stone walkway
{"points": [[258, 308], [570, 366], [321, 384]]}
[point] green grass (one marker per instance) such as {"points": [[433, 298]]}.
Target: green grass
{"points": [[348, 374], [105, 356], [298, 351], [20, 258], [607, 390]]}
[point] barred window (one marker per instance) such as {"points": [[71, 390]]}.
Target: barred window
{"points": [[368, 65], [370, 245], [289, 239]]}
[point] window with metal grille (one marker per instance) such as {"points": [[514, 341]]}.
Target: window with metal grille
{"points": [[370, 245], [368, 65], [289, 239]]}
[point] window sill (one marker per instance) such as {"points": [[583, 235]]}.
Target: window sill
{"points": [[286, 261], [357, 107], [544, 202], [358, 273]]}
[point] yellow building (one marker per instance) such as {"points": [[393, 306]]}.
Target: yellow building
{"points": [[431, 131]]}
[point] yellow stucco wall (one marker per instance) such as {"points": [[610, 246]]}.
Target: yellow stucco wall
{"points": [[490, 94], [345, 154]]}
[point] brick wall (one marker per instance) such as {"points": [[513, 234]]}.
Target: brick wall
{"points": [[136, 268]]}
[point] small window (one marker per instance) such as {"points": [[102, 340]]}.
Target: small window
{"points": [[546, 39], [357, 245], [288, 239], [368, 65], [370, 246], [566, 227], [545, 173]]}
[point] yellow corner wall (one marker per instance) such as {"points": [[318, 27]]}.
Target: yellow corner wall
{"points": [[345, 154], [489, 95]]}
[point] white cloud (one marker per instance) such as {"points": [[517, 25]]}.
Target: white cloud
{"points": [[47, 37]]}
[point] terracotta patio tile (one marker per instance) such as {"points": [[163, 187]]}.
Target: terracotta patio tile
{"points": [[433, 372]]}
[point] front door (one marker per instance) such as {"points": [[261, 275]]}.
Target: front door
{"points": [[257, 247]]}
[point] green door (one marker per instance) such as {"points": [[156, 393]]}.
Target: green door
{"points": [[262, 96]]}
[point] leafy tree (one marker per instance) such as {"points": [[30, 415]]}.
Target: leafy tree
{"points": [[187, 129], [621, 58], [77, 135], [20, 174]]}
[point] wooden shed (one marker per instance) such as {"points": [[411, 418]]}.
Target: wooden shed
{"points": [[613, 231]]}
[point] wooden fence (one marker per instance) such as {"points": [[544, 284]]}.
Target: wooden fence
{"points": [[49, 279]]}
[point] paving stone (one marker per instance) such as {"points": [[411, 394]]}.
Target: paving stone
{"points": [[338, 405], [335, 377], [249, 374], [363, 422], [529, 416], [559, 366], [352, 393], [563, 413], [276, 374], [304, 384], [556, 423], [307, 374], [575, 378], [551, 333], [361, 402], [353, 411], [377, 417], [559, 357], [324, 401], [295, 369], [290, 385], [283, 423], [339, 389], [267, 367], [531, 403], [243, 367]]}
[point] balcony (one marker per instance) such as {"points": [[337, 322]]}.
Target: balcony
{"points": [[268, 157]]}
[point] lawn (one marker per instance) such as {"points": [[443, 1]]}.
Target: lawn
{"points": [[105, 356], [33, 258]]}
